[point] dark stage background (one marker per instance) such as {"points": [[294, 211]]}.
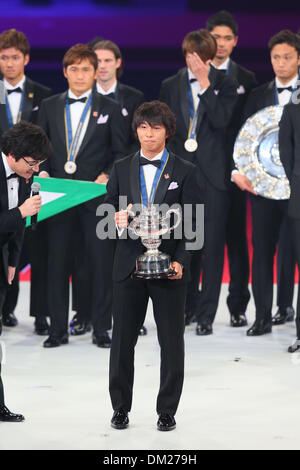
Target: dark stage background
{"points": [[149, 33]]}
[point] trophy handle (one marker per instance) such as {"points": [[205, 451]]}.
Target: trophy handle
{"points": [[175, 212], [135, 222]]}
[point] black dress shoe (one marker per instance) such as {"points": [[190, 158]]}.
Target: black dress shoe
{"points": [[294, 347], [259, 328], [41, 326], [102, 341], [120, 420], [143, 331], [284, 316], [166, 422], [204, 330], [6, 415], [238, 319], [79, 329], [55, 341], [9, 319]]}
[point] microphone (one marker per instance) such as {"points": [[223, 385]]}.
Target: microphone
{"points": [[35, 191]]}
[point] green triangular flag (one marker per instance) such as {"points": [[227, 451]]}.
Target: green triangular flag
{"points": [[59, 195]]}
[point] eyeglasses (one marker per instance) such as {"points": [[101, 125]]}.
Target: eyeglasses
{"points": [[32, 164]]}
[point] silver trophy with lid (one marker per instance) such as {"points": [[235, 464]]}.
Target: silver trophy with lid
{"points": [[150, 225]]}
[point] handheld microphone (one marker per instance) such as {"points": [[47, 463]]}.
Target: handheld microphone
{"points": [[35, 191]]}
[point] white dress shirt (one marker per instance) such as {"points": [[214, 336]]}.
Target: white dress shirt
{"points": [[149, 173], [76, 110], [14, 99], [223, 66], [150, 170], [12, 185], [196, 89], [111, 90], [285, 96]]}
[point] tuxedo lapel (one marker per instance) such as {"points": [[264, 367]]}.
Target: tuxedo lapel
{"points": [[4, 124], [184, 98], [135, 179], [120, 94], [60, 117], [28, 100], [95, 108], [269, 96], [3, 186], [165, 180]]}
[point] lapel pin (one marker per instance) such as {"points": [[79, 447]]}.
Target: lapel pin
{"points": [[167, 176], [30, 95]]}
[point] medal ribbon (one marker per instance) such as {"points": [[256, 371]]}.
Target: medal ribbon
{"points": [[193, 114], [144, 194], [8, 110], [72, 143]]}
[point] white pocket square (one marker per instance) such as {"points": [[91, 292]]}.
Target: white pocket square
{"points": [[102, 119], [241, 90], [36, 108], [216, 92], [173, 185]]}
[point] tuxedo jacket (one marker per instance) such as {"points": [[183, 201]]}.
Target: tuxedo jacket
{"points": [[246, 81], [125, 181], [289, 149], [129, 99], [104, 140], [12, 225], [259, 98], [216, 109], [34, 94]]}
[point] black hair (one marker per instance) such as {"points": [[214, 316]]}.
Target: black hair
{"points": [[222, 18], [26, 140], [285, 37], [155, 113]]}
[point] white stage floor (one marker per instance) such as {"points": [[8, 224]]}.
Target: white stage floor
{"points": [[239, 392]]}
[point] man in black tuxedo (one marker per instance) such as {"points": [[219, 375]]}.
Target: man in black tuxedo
{"points": [[289, 148], [23, 100], [224, 28], [23, 148], [269, 216], [88, 133], [167, 179], [110, 69], [202, 97]]}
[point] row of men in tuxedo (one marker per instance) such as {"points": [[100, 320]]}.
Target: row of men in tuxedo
{"points": [[209, 104]]}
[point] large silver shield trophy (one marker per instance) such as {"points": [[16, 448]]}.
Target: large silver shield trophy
{"points": [[256, 154]]}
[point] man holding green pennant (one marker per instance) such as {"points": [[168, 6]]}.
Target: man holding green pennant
{"points": [[87, 133]]}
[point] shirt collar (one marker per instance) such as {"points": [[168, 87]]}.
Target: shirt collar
{"points": [[190, 74], [157, 157], [223, 66], [292, 83], [8, 170], [112, 89], [8, 86], [85, 95]]}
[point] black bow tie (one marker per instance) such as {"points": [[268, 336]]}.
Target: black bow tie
{"points": [[111, 96], [289, 88], [73, 100], [144, 161], [193, 80], [223, 71], [13, 175], [15, 90]]}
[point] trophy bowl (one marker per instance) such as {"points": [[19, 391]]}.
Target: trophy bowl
{"points": [[150, 226]]}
